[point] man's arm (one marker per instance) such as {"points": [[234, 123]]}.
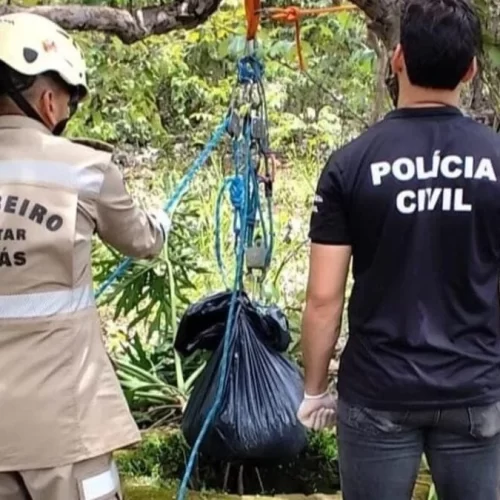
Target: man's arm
{"points": [[321, 323], [328, 268], [122, 224]]}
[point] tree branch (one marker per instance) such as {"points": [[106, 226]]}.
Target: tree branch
{"points": [[128, 26], [380, 74], [384, 18]]}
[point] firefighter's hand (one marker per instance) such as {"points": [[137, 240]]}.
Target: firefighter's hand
{"points": [[318, 412], [162, 218]]}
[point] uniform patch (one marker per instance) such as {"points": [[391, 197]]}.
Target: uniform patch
{"points": [[101, 486], [443, 168]]}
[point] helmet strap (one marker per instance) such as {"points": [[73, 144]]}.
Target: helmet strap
{"points": [[15, 94], [24, 105]]}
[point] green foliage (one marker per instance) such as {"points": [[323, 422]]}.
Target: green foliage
{"points": [[432, 495], [163, 97], [155, 389], [162, 455], [188, 76], [144, 472], [146, 489]]}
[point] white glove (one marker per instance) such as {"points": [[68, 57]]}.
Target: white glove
{"points": [[318, 412], [163, 220]]}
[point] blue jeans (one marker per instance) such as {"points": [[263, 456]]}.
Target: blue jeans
{"points": [[380, 452]]}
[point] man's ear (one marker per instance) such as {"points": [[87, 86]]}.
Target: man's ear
{"points": [[397, 59], [471, 72], [48, 107], [44, 101]]}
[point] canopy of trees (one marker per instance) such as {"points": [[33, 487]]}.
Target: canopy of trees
{"points": [[131, 21]]}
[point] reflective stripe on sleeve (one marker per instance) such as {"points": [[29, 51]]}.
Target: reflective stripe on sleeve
{"points": [[43, 304]]}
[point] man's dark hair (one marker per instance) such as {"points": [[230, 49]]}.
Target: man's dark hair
{"points": [[439, 38]]}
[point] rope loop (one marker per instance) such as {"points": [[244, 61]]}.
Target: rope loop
{"points": [[237, 192]]}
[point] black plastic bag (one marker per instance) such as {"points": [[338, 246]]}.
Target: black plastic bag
{"points": [[256, 419], [204, 323]]}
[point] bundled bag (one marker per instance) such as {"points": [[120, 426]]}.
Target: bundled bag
{"points": [[256, 419]]}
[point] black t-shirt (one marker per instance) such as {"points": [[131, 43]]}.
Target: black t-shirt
{"points": [[417, 196]]}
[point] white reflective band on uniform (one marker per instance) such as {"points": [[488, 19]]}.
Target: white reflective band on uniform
{"points": [[65, 175], [103, 484], [35, 305]]}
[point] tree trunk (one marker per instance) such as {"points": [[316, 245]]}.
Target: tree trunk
{"points": [[128, 25], [483, 98], [132, 25]]}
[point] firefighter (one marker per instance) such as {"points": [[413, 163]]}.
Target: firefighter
{"points": [[62, 409]]}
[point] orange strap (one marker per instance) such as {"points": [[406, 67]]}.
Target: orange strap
{"points": [[252, 12], [294, 14]]}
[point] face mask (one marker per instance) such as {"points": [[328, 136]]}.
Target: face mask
{"points": [[60, 126]]}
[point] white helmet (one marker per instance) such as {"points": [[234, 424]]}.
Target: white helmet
{"points": [[32, 44]]}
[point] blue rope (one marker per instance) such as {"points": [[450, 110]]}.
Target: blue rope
{"points": [[236, 187], [177, 195], [224, 364], [218, 231], [250, 69], [244, 195], [237, 192]]}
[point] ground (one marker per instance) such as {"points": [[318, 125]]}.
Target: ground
{"points": [[137, 491], [147, 492]]}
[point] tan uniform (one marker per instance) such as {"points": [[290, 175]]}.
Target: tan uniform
{"points": [[60, 401]]}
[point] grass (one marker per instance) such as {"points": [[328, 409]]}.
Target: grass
{"points": [[162, 455], [150, 471], [147, 489], [144, 489]]}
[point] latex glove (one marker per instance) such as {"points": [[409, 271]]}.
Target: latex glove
{"points": [[318, 412], [162, 218]]}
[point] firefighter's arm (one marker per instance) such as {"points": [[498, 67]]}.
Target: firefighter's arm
{"points": [[125, 226]]}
